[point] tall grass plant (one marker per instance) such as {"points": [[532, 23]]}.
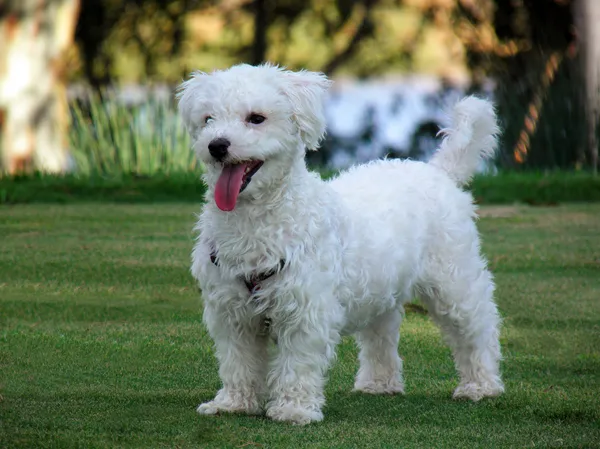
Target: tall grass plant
{"points": [[110, 137]]}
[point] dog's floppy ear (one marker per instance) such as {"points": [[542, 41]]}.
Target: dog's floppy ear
{"points": [[187, 94], [306, 91]]}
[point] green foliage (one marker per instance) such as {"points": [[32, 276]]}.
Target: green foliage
{"points": [[536, 188], [102, 346], [118, 188], [164, 40], [108, 138], [504, 188]]}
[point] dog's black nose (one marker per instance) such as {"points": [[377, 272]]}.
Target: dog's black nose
{"points": [[218, 148]]}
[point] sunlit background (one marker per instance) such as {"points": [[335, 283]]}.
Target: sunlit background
{"points": [[87, 87]]}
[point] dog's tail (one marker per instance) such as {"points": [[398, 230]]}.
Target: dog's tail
{"points": [[470, 139]]}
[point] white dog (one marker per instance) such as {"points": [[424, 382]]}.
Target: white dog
{"points": [[282, 254]]}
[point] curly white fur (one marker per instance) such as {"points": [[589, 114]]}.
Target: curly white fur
{"points": [[356, 248]]}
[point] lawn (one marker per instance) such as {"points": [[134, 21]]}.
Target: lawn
{"points": [[101, 341]]}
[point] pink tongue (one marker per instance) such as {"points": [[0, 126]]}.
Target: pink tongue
{"points": [[228, 186]]}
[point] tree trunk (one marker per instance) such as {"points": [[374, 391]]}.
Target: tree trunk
{"points": [[259, 46], [34, 36], [587, 20]]}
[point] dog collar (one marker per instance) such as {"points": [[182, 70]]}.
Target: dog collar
{"points": [[253, 280]]}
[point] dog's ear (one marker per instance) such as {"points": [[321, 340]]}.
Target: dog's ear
{"points": [[306, 91], [187, 95]]}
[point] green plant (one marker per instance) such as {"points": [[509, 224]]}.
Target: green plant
{"points": [[505, 187], [109, 137]]}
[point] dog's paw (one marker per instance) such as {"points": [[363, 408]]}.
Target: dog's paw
{"points": [[210, 408], [295, 415], [391, 386], [476, 391], [216, 407]]}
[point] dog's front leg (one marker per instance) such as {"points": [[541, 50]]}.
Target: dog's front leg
{"points": [[306, 345], [242, 355]]}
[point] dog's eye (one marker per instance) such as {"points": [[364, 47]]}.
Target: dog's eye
{"points": [[256, 119], [208, 119]]}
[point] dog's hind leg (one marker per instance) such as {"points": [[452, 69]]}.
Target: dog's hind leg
{"points": [[242, 353], [380, 369], [461, 303]]}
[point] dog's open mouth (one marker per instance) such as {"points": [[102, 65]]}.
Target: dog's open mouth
{"points": [[233, 180]]}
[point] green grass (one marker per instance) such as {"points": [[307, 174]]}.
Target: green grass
{"points": [[101, 342], [185, 186]]}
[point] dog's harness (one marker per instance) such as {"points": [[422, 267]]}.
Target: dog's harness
{"points": [[253, 281]]}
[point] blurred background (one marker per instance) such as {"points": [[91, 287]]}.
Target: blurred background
{"points": [[86, 86]]}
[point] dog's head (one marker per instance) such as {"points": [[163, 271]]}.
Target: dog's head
{"points": [[251, 124]]}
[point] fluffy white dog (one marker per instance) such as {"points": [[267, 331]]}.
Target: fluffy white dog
{"points": [[282, 254]]}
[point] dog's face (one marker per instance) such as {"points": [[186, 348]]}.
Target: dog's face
{"points": [[250, 124]]}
